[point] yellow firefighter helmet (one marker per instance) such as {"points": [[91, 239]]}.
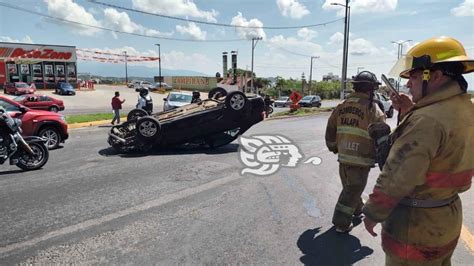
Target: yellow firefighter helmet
{"points": [[432, 51]]}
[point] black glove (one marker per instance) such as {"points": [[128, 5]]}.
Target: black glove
{"points": [[380, 132]]}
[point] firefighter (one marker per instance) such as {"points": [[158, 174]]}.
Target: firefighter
{"points": [[347, 136], [431, 159]]}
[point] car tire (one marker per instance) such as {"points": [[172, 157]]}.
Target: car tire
{"points": [[136, 114], [215, 91], [390, 112], [236, 101], [52, 135], [148, 129], [54, 109], [5, 91]]}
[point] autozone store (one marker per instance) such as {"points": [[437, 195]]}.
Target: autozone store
{"points": [[44, 65]]}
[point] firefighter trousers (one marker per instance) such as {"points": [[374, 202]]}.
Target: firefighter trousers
{"points": [[353, 179]]}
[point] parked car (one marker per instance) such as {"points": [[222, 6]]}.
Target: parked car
{"points": [[49, 125], [215, 122], [384, 102], [177, 99], [133, 83], [310, 101], [18, 88], [156, 86], [142, 84], [40, 102], [282, 102], [65, 88]]}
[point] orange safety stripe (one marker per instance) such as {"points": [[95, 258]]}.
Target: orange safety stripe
{"points": [[449, 180], [382, 199], [413, 252]]}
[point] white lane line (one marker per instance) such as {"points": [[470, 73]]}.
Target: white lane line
{"points": [[142, 207]]}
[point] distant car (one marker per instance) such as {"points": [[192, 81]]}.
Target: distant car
{"points": [[282, 102], [385, 102], [164, 85], [310, 101], [177, 99], [48, 125], [64, 88], [18, 88], [133, 83], [40, 102], [142, 84], [214, 121]]}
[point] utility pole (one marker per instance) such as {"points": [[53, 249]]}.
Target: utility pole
{"points": [[346, 46], [159, 65], [311, 73], [126, 74], [254, 43]]}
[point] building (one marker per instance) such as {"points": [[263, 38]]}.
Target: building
{"points": [[331, 77], [44, 65]]}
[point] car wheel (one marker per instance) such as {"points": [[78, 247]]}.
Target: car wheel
{"points": [[52, 136], [216, 93], [4, 91], [136, 113], [235, 101], [53, 109], [148, 129], [390, 112]]}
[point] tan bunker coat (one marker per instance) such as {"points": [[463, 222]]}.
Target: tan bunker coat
{"points": [[416, 195]]}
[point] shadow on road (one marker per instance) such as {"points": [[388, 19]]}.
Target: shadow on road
{"points": [[11, 172], [331, 248], [184, 149]]}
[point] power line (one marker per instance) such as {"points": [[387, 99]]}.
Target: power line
{"points": [[112, 30], [214, 23]]}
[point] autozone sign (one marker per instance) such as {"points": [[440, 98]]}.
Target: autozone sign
{"points": [[11, 52]]}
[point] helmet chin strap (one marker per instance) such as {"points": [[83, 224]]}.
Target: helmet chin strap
{"points": [[426, 77]]}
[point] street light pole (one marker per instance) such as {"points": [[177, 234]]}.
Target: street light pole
{"points": [[311, 73], [159, 65], [126, 71], [346, 46], [400, 54], [358, 69], [254, 43]]}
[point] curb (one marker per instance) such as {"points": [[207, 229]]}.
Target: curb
{"points": [[92, 123], [293, 116]]}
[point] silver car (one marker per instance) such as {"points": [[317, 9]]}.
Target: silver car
{"points": [[177, 99]]}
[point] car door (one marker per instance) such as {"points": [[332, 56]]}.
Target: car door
{"points": [[32, 102], [44, 102]]}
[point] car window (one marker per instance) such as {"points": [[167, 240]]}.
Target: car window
{"points": [[318, 98], [307, 98], [175, 97], [21, 85], [19, 98], [8, 106], [44, 98]]}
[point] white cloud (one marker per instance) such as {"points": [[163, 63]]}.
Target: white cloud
{"points": [[192, 30], [120, 21], [464, 9], [307, 34], [248, 33], [26, 39], [292, 8], [361, 46], [66, 9], [336, 38], [295, 45], [361, 6], [175, 8]]}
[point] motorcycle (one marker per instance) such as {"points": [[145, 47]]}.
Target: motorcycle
{"points": [[28, 153]]}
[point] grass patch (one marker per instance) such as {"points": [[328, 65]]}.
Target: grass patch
{"points": [[82, 118], [304, 111]]}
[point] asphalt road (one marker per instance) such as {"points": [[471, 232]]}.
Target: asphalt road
{"points": [[90, 205]]}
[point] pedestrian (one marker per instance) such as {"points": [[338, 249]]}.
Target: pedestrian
{"points": [[145, 101], [431, 159], [347, 136], [116, 106], [267, 102]]}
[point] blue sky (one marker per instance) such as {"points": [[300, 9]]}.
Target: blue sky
{"points": [[284, 52]]}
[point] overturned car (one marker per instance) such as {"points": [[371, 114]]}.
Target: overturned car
{"points": [[215, 121]]}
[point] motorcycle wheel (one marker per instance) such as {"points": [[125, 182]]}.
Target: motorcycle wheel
{"points": [[28, 162], [270, 110]]}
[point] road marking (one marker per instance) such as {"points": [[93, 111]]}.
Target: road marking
{"points": [[139, 208], [468, 238]]}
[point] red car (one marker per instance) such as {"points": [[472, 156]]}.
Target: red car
{"points": [[49, 125], [40, 102], [19, 88]]}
